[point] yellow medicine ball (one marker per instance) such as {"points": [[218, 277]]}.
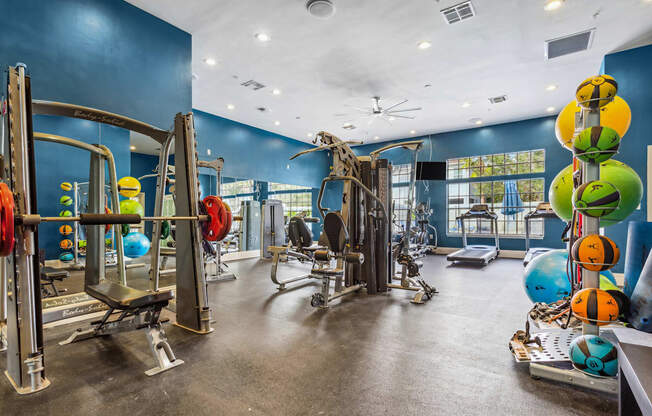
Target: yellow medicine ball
{"points": [[129, 186], [66, 186], [616, 115]]}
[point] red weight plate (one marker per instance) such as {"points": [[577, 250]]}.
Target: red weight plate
{"points": [[107, 227], [7, 220], [227, 224], [218, 217]]}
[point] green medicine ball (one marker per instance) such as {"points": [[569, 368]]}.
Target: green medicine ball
{"points": [[596, 144], [65, 213], [65, 201], [129, 206], [624, 178], [596, 198]]}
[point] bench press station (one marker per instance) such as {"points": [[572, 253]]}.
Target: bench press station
{"points": [[140, 309]]}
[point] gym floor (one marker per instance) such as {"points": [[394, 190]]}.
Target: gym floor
{"points": [[273, 354]]}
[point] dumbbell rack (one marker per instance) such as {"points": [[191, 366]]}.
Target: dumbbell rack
{"points": [[551, 361]]}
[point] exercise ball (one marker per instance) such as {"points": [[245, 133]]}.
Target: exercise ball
{"points": [[65, 244], [65, 213], [596, 91], [616, 115], [595, 306], [596, 198], [66, 186], [65, 201], [596, 144], [595, 252], [135, 245], [624, 178], [129, 206], [545, 279], [594, 355], [129, 186]]}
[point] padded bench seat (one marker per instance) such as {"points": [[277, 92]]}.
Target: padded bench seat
{"points": [[122, 297]]}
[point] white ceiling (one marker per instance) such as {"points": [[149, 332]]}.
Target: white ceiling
{"points": [[369, 47]]}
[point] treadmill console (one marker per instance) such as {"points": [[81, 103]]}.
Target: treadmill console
{"points": [[480, 208]]}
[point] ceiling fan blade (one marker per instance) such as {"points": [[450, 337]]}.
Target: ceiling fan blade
{"points": [[388, 121], [360, 109], [397, 116], [396, 105], [407, 109]]}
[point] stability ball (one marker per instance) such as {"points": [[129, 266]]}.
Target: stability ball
{"points": [[129, 206], [135, 245], [545, 278], [624, 178]]}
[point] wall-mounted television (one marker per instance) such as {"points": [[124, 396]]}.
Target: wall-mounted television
{"points": [[431, 171]]}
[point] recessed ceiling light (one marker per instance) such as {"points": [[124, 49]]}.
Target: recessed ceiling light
{"points": [[413, 131], [376, 138], [230, 106], [277, 123], [132, 147], [208, 152], [552, 5], [424, 44], [210, 61], [551, 87], [276, 91], [550, 109], [478, 122], [466, 104], [391, 118], [309, 135], [263, 37]]}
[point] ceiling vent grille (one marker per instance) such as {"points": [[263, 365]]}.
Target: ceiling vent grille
{"points": [[569, 44], [459, 12], [348, 126], [254, 85], [499, 99]]}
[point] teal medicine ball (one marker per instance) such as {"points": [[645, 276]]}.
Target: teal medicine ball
{"points": [[66, 257], [594, 355], [135, 245]]}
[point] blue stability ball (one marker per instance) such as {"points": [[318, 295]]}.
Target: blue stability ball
{"points": [[545, 277], [136, 245], [594, 355]]}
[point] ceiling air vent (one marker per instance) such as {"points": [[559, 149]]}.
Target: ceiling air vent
{"points": [[499, 99], [254, 85], [569, 44], [457, 13], [348, 126]]}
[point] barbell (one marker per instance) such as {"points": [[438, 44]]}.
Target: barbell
{"points": [[215, 219]]}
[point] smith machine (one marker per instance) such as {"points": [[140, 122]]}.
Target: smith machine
{"points": [[358, 235], [19, 219]]}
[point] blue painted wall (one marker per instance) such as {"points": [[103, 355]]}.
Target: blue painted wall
{"points": [[100, 53], [56, 163], [632, 71], [142, 164], [510, 137]]}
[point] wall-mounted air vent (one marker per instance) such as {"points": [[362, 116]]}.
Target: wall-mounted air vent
{"points": [[254, 85], [348, 126], [261, 109], [457, 13], [569, 44], [499, 99]]}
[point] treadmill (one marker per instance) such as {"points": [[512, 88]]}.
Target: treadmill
{"points": [[543, 210], [477, 254]]}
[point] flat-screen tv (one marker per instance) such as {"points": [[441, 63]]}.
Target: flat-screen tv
{"points": [[431, 171]]}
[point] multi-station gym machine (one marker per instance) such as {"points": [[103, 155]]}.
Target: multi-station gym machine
{"points": [[20, 296], [358, 235]]}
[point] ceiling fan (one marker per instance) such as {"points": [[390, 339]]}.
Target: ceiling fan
{"points": [[376, 111]]}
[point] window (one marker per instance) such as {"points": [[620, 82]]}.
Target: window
{"points": [[516, 163], [511, 199], [296, 199], [233, 193], [401, 175]]}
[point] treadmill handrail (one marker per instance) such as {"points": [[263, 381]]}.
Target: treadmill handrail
{"points": [[480, 214]]}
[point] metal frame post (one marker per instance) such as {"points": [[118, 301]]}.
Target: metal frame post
{"points": [[95, 268]]}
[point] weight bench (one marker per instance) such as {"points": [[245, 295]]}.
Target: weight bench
{"points": [[50, 275], [140, 310]]}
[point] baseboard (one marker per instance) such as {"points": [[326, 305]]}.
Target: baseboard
{"points": [[240, 255], [507, 254]]}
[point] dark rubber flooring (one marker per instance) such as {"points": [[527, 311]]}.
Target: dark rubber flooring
{"points": [[272, 354]]}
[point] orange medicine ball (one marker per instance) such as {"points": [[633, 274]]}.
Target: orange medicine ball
{"points": [[595, 306], [65, 244], [595, 252]]}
